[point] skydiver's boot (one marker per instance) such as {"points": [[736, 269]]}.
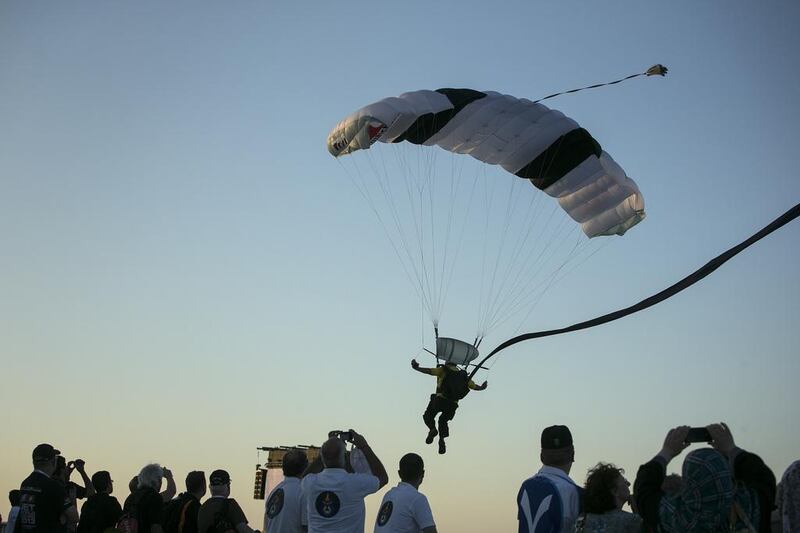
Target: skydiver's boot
{"points": [[431, 435], [442, 447]]}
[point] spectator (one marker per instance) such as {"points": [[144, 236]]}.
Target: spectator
{"points": [[180, 514], [13, 498], [718, 483], [145, 505], [285, 506], [452, 384], [102, 510], [220, 512], [334, 496], [404, 509], [549, 502], [789, 499], [167, 494], [74, 491], [605, 493], [44, 506]]}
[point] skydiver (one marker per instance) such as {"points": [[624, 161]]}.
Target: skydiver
{"points": [[452, 384]]}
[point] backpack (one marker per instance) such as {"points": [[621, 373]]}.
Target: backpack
{"points": [[455, 385], [175, 513], [221, 522], [128, 523]]}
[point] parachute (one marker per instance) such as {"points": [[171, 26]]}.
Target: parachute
{"points": [[526, 139]]}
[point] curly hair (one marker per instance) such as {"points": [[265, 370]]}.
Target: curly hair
{"points": [[600, 482]]}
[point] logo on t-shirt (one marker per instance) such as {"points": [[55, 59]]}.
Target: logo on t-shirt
{"points": [[275, 503], [327, 504], [385, 513]]}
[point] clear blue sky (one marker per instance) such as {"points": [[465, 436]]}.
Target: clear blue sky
{"points": [[186, 273]]}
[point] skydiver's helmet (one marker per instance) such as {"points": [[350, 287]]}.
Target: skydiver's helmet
{"points": [[454, 351]]}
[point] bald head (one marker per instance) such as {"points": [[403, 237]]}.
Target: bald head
{"points": [[332, 453]]}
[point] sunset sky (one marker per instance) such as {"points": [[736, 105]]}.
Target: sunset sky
{"points": [[187, 274]]}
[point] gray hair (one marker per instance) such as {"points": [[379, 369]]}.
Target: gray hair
{"points": [[150, 476]]}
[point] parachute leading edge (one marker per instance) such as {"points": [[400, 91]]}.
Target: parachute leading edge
{"points": [[527, 139]]}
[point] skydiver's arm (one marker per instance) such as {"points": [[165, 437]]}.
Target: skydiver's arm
{"points": [[482, 386], [422, 369]]}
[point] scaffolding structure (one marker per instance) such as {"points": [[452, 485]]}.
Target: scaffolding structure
{"points": [[270, 473]]}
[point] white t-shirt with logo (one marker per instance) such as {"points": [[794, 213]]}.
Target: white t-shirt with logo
{"points": [[284, 509], [404, 509], [335, 500]]}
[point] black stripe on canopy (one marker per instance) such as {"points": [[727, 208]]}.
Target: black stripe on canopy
{"points": [[429, 124], [566, 153]]}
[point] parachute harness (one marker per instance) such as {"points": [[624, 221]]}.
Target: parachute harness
{"points": [[655, 70]]}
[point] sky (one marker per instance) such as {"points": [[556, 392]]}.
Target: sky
{"points": [[186, 273]]}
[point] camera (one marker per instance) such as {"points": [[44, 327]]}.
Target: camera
{"points": [[346, 436]]}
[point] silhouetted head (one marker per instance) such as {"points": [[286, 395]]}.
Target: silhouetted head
{"points": [[102, 482], [196, 483], [219, 483], [44, 458], [557, 448], [13, 497], [606, 489], [412, 469], [150, 476], [294, 463], [332, 453]]}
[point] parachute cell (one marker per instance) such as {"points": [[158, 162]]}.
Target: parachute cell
{"points": [[525, 138]]}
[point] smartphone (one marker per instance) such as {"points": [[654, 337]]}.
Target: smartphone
{"points": [[344, 435], [698, 435]]}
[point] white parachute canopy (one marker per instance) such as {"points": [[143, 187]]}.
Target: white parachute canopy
{"points": [[431, 211]]}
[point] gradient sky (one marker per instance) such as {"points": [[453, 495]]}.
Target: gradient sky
{"points": [[186, 273]]}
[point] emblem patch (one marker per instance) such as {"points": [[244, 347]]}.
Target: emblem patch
{"points": [[327, 504], [385, 513], [275, 503]]}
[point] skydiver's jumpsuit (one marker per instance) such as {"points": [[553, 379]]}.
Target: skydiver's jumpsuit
{"points": [[440, 403]]}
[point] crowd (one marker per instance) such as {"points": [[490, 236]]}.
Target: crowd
{"points": [[721, 488]]}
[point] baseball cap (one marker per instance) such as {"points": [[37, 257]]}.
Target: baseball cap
{"points": [[45, 452], [219, 477], [556, 437]]}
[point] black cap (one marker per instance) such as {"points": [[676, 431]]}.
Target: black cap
{"points": [[219, 477], [556, 438], [44, 452]]}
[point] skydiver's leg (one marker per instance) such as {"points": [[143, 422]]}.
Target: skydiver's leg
{"points": [[448, 413], [429, 417]]}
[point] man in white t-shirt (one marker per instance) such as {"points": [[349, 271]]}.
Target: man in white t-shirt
{"points": [[334, 496], [404, 509], [284, 510]]}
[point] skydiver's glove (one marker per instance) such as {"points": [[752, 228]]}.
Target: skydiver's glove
{"points": [[414, 364]]}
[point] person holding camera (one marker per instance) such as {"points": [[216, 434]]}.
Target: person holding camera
{"points": [[452, 385], [724, 487], [44, 505], [334, 496]]}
